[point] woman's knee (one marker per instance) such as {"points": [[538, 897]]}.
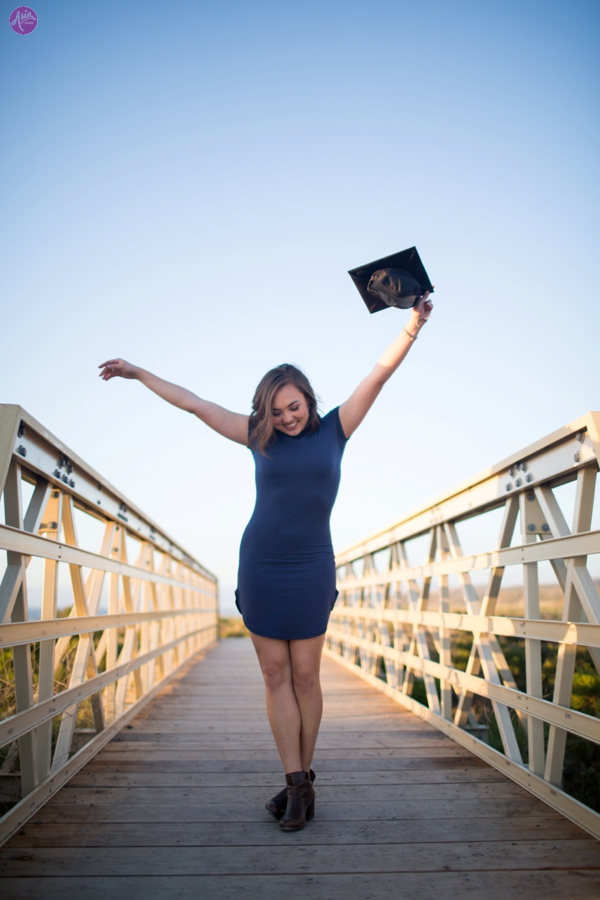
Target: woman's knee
{"points": [[275, 674], [306, 677], [274, 659]]}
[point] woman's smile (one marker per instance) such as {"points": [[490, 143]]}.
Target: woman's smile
{"points": [[290, 410]]}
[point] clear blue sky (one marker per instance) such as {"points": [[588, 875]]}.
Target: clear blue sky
{"points": [[186, 185]]}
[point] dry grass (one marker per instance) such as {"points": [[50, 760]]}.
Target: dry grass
{"points": [[510, 602], [232, 627]]}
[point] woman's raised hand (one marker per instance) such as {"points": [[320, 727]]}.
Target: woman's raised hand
{"points": [[422, 309], [117, 367]]}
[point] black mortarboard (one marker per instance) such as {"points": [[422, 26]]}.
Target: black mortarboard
{"points": [[397, 280]]}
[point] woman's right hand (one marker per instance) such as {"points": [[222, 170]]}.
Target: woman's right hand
{"points": [[117, 367]]}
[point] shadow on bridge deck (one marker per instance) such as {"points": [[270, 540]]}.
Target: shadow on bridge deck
{"points": [[174, 808]]}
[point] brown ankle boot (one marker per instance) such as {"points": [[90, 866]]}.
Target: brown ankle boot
{"points": [[300, 801], [277, 804]]}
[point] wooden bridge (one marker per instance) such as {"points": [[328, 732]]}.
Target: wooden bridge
{"points": [[137, 749], [174, 807]]}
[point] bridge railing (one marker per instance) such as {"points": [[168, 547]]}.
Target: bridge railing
{"points": [[390, 626], [135, 611]]}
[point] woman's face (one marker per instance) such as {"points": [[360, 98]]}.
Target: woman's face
{"points": [[290, 410]]}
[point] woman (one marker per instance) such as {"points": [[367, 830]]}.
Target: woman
{"points": [[286, 579]]}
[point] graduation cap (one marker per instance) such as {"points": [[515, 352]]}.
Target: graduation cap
{"points": [[397, 280]]}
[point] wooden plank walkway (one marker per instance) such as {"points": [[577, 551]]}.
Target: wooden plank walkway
{"points": [[174, 808]]}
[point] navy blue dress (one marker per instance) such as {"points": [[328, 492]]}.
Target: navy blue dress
{"points": [[286, 577]]}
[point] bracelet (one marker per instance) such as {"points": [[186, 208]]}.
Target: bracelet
{"points": [[411, 336]]}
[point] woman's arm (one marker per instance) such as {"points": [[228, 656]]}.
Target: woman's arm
{"points": [[353, 411], [231, 425]]}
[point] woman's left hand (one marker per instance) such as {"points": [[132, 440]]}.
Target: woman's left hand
{"points": [[421, 311]]}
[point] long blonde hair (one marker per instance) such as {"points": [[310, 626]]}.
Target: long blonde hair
{"points": [[261, 428]]}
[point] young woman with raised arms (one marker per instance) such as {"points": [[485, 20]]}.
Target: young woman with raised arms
{"points": [[286, 578]]}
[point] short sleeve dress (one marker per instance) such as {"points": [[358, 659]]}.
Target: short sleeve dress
{"points": [[286, 576]]}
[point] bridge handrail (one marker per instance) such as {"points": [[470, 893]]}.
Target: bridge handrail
{"points": [[161, 610], [383, 626]]}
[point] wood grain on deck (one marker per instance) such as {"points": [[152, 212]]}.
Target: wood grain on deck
{"points": [[174, 808]]}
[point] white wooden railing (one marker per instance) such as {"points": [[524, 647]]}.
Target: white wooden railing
{"points": [[387, 627], [130, 627]]}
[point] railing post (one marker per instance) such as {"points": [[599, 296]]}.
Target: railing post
{"points": [[572, 610], [444, 633], [533, 648], [51, 527], [13, 513]]}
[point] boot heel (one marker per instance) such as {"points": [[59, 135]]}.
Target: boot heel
{"points": [[300, 801]]}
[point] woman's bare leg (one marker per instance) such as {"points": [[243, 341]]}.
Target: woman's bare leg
{"points": [[306, 663], [293, 694], [282, 705]]}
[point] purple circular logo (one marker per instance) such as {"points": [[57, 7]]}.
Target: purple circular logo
{"points": [[23, 20]]}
